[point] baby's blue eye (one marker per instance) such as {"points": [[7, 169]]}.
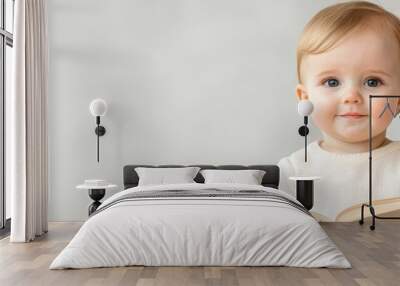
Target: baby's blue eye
{"points": [[373, 82], [332, 82]]}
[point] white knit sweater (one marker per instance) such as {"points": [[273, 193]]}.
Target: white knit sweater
{"points": [[344, 177]]}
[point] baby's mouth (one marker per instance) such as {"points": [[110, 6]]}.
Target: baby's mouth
{"points": [[352, 115]]}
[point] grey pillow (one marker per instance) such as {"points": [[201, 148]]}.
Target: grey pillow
{"points": [[248, 177], [164, 176]]}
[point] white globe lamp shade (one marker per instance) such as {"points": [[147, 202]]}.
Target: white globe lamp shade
{"points": [[98, 107], [305, 107]]}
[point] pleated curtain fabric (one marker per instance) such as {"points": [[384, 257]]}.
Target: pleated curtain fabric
{"points": [[28, 122]]}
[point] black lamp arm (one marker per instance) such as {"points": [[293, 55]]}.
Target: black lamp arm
{"points": [[305, 138], [100, 131], [303, 131]]}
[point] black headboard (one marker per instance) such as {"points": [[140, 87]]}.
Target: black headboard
{"points": [[270, 179]]}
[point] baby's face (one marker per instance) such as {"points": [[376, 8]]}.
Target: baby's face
{"points": [[339, 82]]}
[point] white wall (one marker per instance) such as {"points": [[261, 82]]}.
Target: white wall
{"points": [[207, 81]]}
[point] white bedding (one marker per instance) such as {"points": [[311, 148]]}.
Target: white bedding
{"points": [[199, 231]]}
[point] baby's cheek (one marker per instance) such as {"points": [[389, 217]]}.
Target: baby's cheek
{"points": [[323, 120], [380, 124], [324, 113]]}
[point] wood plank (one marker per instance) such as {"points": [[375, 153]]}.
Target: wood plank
{"points": [[375, 257]]}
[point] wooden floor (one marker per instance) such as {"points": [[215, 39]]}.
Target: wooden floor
{"points": [[375, 257]]}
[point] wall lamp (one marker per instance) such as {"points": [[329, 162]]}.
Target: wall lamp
{"points": [[98, 108], [305, 108]]}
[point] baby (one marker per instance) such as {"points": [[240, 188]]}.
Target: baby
{"points": [[347, 52]]}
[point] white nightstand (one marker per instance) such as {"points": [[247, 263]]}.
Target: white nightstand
{"points": [[305, 190], [96, 193]]}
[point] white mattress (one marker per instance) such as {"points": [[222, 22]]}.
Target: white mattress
{"points": [[199, 231]]}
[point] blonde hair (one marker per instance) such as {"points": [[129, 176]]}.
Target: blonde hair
{"points": [[331, 24]]}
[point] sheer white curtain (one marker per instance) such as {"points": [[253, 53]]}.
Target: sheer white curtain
{"points": [[27, 122]]}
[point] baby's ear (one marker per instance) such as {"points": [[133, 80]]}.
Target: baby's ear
{"points": [[301, 92]]}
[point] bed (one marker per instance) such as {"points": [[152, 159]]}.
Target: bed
{"points": [[199, 224]]}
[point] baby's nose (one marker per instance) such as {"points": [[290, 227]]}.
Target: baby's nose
{"points": [[352, 96]]}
